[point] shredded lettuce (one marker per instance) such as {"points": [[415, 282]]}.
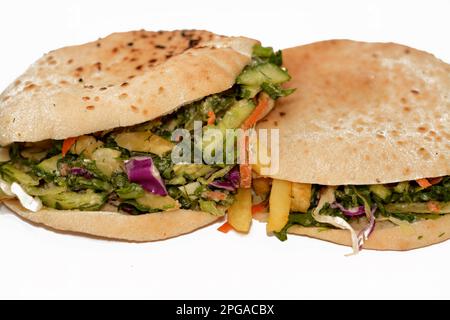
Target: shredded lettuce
{"points": [[211, 207]]}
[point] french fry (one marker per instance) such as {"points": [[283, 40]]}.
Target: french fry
{"points": [[257, 165], [240, 213], [261, 186], [301, 197], [280, 205]]}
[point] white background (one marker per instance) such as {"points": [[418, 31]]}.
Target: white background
{"points": [[37, 263]]}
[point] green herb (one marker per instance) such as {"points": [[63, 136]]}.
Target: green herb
{"points": [[185, 201], [80, 183], [211, 207], [124, 188], [302, 219], [275, 91], [267, 54]]}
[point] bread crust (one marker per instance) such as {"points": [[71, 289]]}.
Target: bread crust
{"points": [[114, 225], [387, 236], [363, 113], [121, 80]]}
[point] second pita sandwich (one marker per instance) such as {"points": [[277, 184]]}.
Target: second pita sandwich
{"points": [[364, 147]]}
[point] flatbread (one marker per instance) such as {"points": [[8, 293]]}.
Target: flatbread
{"points": [[113, 225], [121, 80], [363, 113], [387, 236]]}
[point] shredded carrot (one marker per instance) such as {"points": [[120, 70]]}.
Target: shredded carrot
{"points": [[424, 183], [246, 175], [211, 118], [433, 206], [434, 181], [225, 228], [245, 168], [257, 114], [260, 207], [67, 144]]}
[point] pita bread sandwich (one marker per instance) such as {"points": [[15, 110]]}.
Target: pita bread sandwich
{"points": [[364, 147], [86, 131]]}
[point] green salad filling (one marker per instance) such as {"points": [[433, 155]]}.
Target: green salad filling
{"points": [[130, 169], [399, 203]]}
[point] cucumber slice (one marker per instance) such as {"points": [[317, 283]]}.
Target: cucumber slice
{"points": [[155, 202], [192, 171], [45, 191], [381, 191], [236, 115], [267, 72], [274, 73], [417, 207], [401, 187], [249, 92], [49, 166], [83, 201], [13, 174], [251, 77], [144, 142]]}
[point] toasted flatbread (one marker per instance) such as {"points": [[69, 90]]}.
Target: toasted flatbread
{"points": [[121, 80], [114, 225], [387, 236], [363, 113]]}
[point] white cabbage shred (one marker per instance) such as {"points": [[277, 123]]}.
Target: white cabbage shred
{"points": [[327, 196], [27, 201]]}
